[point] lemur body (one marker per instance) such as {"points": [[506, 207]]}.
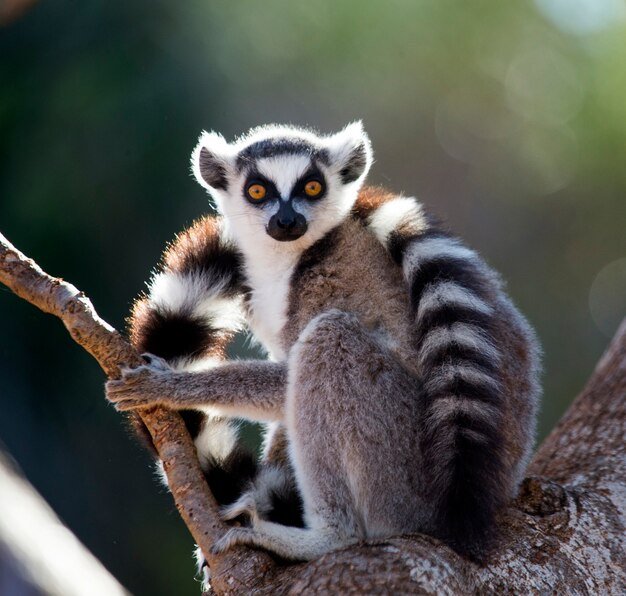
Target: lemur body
{"points": [[403, 381]]}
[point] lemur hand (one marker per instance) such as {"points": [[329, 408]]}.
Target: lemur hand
{"points": [[141, 387]]}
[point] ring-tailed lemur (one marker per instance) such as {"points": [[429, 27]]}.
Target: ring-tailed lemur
{"points": [[404, 380]]}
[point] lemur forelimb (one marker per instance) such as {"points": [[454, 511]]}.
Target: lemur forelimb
{"points": [[247, 389]]}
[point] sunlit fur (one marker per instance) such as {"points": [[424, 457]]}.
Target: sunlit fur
{"points": [[402, 381]]}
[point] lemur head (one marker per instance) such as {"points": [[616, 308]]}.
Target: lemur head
{"points": [[289, 185]]}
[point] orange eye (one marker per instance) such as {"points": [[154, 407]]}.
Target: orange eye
{"points": [[256, 192], [313, 188]]}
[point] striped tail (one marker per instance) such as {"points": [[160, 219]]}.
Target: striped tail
{"points": [[452, 294], [191, 312]]}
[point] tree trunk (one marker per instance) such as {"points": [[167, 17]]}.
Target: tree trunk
{"points": [[566, 532]]}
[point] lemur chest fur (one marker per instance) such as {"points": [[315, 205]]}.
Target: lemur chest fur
{"points": [[349, 270], [267, 304]]}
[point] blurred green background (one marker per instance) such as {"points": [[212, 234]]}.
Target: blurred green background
{"points": [[508, 119]]}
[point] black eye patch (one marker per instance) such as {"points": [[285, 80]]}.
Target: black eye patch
{"points": [[313, 173], [271, 192]]}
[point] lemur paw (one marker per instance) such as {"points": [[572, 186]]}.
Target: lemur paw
{"points": [[234, 537], [245, 505], [140, 387], [156, 362]]}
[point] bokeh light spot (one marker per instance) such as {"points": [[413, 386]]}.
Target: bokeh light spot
{"points": [[582, 17], [548, 157], [607, 297], [544, 86]]}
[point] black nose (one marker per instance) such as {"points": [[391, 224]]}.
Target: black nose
{"points": [[286, 223]]}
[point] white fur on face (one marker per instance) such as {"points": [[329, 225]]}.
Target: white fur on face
{"points": [[284, 171], [247, 223]]}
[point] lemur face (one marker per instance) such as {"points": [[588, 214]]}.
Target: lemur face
{"points": [[286, 184]]}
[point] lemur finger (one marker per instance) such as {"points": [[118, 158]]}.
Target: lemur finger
{"points": [[119, 390], [155, 362], [141, 373], [124, 405], [232, 538], [111, 388]]}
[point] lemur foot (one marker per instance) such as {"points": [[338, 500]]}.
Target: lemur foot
{"points": [[156, 362], [234, 537], [142, 386], [245, 505]]}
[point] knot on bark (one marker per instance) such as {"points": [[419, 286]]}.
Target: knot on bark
{"points": [[540, 497]]}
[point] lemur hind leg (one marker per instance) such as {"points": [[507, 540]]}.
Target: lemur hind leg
{"points": [[351, 409]]}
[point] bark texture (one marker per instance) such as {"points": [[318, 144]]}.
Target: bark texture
{"points": [[565, 533]]}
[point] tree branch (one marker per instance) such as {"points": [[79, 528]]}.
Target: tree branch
{"points": [[237, 569], [565, 532]]}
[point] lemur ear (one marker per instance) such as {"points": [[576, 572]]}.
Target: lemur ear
{"points": [[352, 150], [211, 161]]}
